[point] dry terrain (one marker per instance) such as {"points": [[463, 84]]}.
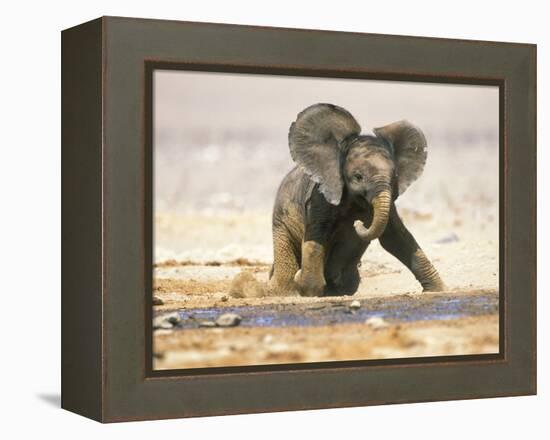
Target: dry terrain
{"points": [[199, 251], [221, 150]]}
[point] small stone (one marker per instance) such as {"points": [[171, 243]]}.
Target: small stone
{"points": [[174, 317], [157, 301], [225, 298], [228, 320], [355, 305], [207, 324], [376, 323], [159, 323], [166, 321]]}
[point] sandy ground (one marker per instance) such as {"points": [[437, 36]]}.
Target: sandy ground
{"points": [[465, 255], [199, 247], [259, 346], [316, 341]]}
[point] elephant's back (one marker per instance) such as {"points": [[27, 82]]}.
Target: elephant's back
{"points": [[292, 196], [295, 187]]}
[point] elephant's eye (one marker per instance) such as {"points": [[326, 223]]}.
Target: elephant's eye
{"points": [[358, 177]]}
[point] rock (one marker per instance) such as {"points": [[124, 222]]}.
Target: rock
{"points": [[166, 321], [224, 298], [376, 323], [207, 324], [228, 320], [157, 301], [159, 323], [355, 305], [173, 317]]}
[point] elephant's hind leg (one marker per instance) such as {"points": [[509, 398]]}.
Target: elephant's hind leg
{"points": [[286, 258], [281, 274]]}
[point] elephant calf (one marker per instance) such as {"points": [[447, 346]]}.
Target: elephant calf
{"points": [[343, 182]]}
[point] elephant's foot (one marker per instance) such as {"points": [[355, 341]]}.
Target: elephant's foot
{"points": [[433, 283], [310, 284], [278, 288], [434, 286], [426, 273]]}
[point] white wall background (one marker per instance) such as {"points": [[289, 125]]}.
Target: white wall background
{"points": [[30, 220]]}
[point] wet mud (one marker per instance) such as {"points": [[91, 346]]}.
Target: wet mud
{"points": [[401, 308], [293, 330]]}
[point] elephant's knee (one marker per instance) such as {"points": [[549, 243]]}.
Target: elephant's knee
{"points": [[351, 281]]}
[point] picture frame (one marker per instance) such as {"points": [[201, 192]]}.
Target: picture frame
{"points": [[107, 202]]}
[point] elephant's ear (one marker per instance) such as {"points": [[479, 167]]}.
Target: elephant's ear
{"points": [[316, 140], [410, 151]]}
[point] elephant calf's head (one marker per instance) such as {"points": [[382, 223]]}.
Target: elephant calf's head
{"points": [[325, 140]]}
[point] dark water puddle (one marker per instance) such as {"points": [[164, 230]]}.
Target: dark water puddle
{"points": [[396, 309]]}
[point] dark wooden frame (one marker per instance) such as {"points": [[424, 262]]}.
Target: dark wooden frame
{"points": [[107, 68]]}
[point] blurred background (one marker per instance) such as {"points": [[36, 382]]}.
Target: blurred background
{"points": [[220, 152]]}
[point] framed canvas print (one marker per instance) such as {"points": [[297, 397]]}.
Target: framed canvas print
{"points": [[263, 219]]}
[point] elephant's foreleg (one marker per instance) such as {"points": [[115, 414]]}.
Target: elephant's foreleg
{"points": [[342, 266], [399, 242], [319, 226], [310, 279]]}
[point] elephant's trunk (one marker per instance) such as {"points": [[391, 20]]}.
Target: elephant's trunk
{"points": [[381, 204]]}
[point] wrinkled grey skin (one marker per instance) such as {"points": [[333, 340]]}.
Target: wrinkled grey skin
{"points": [[343, 182]]}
